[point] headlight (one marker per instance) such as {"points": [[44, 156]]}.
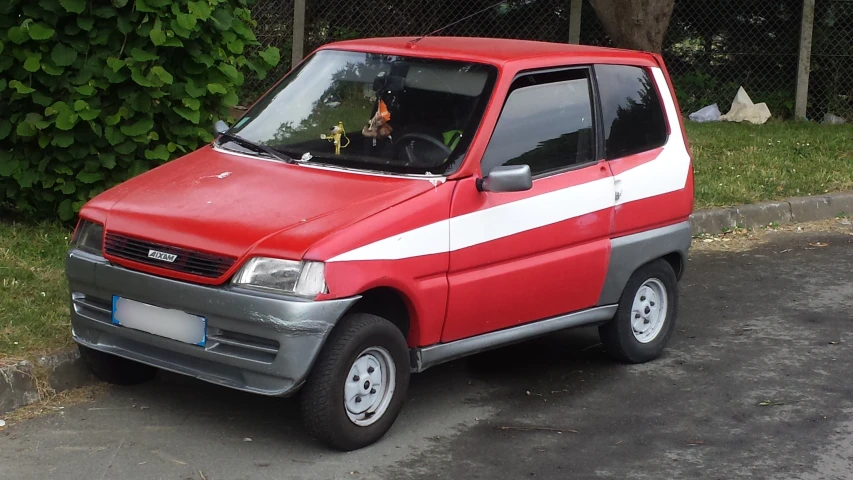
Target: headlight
{"points": [[89, 237], [300, 278]]}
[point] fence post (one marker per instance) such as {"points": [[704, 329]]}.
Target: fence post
{"points": [[804, 62], [298, 32], [575, 22]]}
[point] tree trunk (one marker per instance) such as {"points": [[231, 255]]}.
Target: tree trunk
{"points": [[635, 24]]}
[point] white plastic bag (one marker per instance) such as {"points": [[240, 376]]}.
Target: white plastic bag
{"points": [[830, 119], [711, 113], [743, 110]]}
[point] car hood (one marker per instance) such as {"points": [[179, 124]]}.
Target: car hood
{"points": [[227, 203]]}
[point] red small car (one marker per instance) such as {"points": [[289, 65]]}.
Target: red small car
{"points": [[389, 205]]}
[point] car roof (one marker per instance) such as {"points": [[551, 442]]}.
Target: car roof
{"points": [[496, 51]]}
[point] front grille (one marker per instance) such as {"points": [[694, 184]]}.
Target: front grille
{"points": [[186, 261]]}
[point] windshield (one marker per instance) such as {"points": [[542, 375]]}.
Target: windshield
{"points": [[371, 111]]}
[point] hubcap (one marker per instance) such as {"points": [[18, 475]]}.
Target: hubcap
{"points": [[370, 386], [648, 312]]}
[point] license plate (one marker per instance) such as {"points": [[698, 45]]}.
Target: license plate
{"points": [[162, 322]]}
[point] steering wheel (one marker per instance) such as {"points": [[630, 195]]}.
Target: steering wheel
{"points": [[410, 154]]}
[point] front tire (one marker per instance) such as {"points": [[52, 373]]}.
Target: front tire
{"points": [[645, 318], [356, 389], [116, 370]]}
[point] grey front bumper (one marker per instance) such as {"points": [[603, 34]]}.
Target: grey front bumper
{"points": [[256, 342]]}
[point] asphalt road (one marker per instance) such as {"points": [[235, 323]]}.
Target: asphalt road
{"points": [[755, 384]]}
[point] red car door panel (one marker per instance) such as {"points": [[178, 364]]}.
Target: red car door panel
{"points": [[525, 256]]}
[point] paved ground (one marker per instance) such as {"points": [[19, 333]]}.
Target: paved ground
{"points": [[756, 384]]}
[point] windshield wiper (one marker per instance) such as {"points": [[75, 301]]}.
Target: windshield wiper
{"points": [[257, 147]]}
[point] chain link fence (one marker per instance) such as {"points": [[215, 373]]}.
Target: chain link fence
{"points": [[712, 46], [831, 79]]}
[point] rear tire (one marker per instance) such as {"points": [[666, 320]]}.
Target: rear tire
{"points": [[645, 318], [358, 385], [116, 370]]}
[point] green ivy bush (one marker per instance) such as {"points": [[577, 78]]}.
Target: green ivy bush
{"points": [[93, 92]]}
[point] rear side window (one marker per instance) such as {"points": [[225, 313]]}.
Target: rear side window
{"points": [[630, 109], [546, 123]]}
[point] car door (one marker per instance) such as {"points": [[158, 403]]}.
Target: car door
{"points": [[525, 256]]}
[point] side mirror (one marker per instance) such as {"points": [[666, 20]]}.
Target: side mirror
{"points": [[220, 127], [507, 178]]}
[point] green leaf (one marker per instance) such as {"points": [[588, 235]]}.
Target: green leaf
{"points": [[63, 139], [200, 9], [162, 74], [20, 87], [41, 99], [44, 141], [142, 6], [230, 71], [40, 31], [85, 90], [85, 23], [157, 35], [27, 178], [222, 19], [50, 68], [17, 35], [191, 115], [126, 148], [33, 118], [191, 103], [194, 91], [139, 78], [80, 105], [73, 6], [230, 99], [115, 64], [114, 136], [89, 114], [112, 119], [25, 130], [142, 56], [215, 88], [236, 46], [104, 11], [66, 119], [187, 21], [33, 63], [119, 3], [1, 47], [3, 84], [65, 211], [5, 128], [108, 159], [159, 153], [271, 56], [8, 167], [62, 55], [139, 128], [90, 177], [68, 188]]}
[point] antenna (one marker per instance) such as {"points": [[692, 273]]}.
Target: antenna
{"points": [[478, 12]]}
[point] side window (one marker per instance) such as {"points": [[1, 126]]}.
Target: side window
{"points": [[630, 110], [546, 123]]}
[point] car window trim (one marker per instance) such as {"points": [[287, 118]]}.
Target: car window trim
{"points": [[598, 152]]}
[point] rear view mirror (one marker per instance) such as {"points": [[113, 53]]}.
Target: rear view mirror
{"points": [[220, 127], [507, 178]]}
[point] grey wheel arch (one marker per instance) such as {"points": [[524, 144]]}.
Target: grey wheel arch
{"points": [[631, 252]]}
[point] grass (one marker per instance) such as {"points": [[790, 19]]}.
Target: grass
{"points": [[744, 163], [735, 164], [34, 315]]}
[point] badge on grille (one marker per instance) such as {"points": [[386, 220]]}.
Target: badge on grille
{"points": [[166, 257]]}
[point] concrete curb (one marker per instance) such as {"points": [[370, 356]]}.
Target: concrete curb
{"points": [[25, 382], [793, 210], [19, 382]]}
